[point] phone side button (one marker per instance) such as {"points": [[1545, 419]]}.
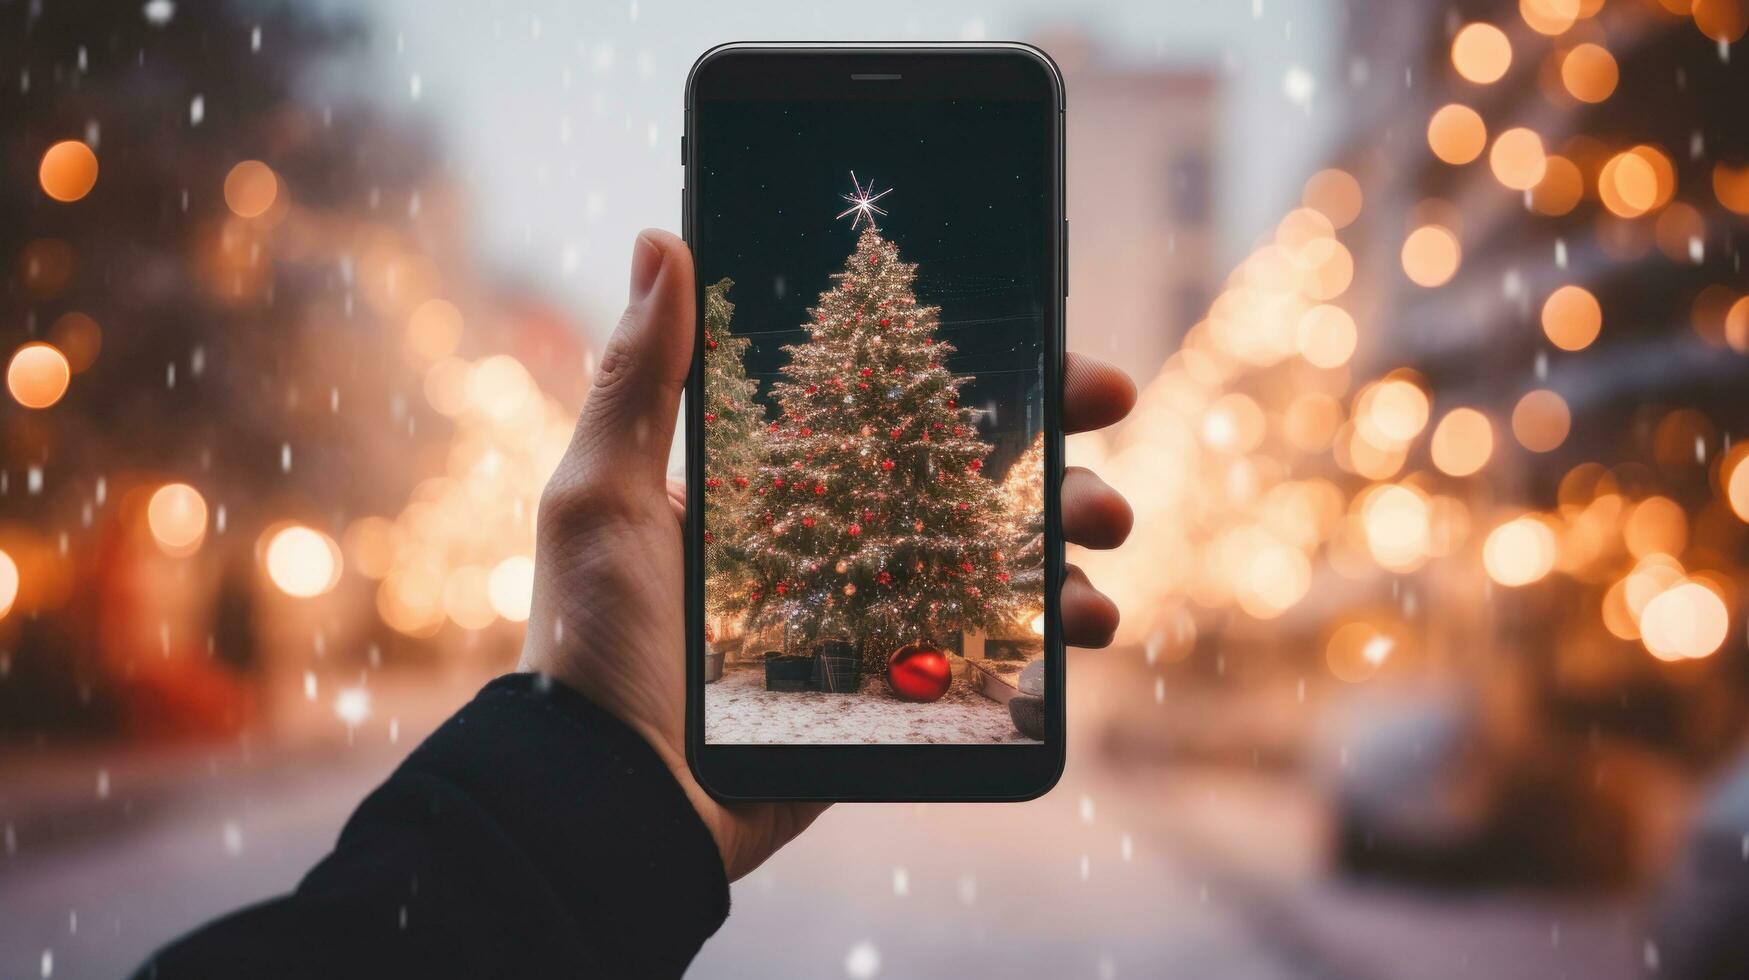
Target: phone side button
{"points": [[1065, 257]]}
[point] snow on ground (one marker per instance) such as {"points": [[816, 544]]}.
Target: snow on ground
{"points": [[738, 708]]}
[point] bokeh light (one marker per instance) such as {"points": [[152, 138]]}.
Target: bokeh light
{"points": [[1517, 159], [1397, 521], [8, 583], [1519, 552], [1722, 20], [511, 587], [1549, 16], [301, 561], [79, 338], [1481, 53], [251, 189], [1731, 186], [1326, 336], [467, 599], [177, 518], [1337, 196], [1686, 621], [1456, 134], [1561, 188], [1541, 420], [1628, 185], [38, 375], [434, 329], [1736, 479], [68, 171], [1462, 442], [1589, 72], [1431, 255], [1572, 318]]}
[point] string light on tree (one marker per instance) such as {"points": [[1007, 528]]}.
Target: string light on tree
{"points": [[874, 467]]}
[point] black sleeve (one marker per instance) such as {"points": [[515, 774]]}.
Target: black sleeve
{"points": [[531, 835]]}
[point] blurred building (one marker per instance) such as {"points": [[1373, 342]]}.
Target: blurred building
{"points": [[1141, 175]]}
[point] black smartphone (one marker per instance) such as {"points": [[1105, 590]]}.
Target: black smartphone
{"points": [[874, 435]]}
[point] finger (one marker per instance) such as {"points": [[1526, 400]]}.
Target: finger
{"points": [[1095, 394], [627, 425], [1094, 515], [677, 499], [1089, 618]]}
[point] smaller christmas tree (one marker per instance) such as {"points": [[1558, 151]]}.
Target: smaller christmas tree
{"points": [[734, 447], [1023, 499]]}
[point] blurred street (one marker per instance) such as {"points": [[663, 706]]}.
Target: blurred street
{"points": [[1208, 872]]}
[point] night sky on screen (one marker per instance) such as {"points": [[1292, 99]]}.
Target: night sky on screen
{"points": [[968, 205]]}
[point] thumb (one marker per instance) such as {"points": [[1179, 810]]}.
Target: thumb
{"points": [[627, 425]]}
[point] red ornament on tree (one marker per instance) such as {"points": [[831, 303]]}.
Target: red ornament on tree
{"points": [[919, 672], [807, 522], [884, 578], [854, 530], [886, 464], [886, 321]]}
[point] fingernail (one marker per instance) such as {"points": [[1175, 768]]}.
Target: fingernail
{"points": [[646, 263]]}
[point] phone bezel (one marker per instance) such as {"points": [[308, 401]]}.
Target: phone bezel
{"points": [[882, 772]]}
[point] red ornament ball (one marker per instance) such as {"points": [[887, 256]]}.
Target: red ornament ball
{"points": [[919, 672], [886, 321], [854, 530], [819, 489], [807, 522], [886, 464], [884, 578]]}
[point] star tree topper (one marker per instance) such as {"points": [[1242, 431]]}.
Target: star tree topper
{"points": [[862, 203]]}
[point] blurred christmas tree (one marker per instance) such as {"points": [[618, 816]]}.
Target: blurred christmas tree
{"points": [[734, 440], [877, 523], [224, 262]]}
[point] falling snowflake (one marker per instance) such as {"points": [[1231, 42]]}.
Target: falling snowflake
{"points": [[158, 13], [863, 961]]}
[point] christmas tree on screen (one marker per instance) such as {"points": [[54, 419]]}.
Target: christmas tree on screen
{"points": [[877, 523], [734, 439]]}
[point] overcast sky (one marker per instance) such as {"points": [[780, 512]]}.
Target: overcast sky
{"points": [[563, 117]]}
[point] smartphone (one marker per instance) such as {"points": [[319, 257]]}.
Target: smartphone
{"points": [[874, 435]]}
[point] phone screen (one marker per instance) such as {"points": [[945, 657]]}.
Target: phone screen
{"points": [[877, 293]]}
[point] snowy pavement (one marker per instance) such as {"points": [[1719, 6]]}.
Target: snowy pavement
{"points": [[738, 708], [1127, 869]]}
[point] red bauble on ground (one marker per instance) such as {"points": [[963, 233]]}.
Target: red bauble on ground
{"points": [[919, 672]]}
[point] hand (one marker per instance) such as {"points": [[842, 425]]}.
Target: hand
{"points": [[607, 618]]}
